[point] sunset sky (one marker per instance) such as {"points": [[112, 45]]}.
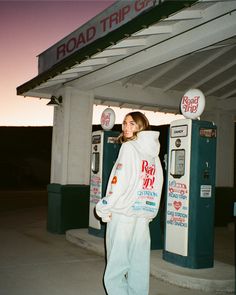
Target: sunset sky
{"points": [[27, 28]]}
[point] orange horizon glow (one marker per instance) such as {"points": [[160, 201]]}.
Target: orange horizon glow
{"points": [[27, 29]]}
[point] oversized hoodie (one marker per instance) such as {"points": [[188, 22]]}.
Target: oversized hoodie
{"points": [[135, 183]]}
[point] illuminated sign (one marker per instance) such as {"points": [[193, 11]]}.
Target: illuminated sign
{"points": [[192, 104]]}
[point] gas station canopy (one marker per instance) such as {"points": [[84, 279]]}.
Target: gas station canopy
{"points": [[143, 54], [167, 45]]}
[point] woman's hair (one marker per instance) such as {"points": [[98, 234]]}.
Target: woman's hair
{"points": [[141, 120]]}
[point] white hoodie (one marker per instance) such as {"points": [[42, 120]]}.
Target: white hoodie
{"points": [[135, 184]]}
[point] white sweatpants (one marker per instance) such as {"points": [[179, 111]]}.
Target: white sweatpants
{"points": [[128, 256]]}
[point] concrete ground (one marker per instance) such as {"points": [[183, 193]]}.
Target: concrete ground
{"points": [[35, 262]]}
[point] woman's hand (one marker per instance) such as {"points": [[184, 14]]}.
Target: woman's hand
{"points": [[107, 218]]}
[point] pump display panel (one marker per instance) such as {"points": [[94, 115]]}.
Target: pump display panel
{"points": [[177, 166]]}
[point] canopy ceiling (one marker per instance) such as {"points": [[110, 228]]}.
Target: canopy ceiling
{"points": [[169, 47]]}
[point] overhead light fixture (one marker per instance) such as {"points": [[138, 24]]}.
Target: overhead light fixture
{"points": [[55, 101]]}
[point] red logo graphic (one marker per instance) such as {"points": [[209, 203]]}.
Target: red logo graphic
{"points": [[178, 188], [119, 166], [148, 172], [190, 105], [114, 180], [177, 205], [106, 118]]}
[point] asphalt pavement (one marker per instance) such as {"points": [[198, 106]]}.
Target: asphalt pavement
{"points": [[36, 262]]}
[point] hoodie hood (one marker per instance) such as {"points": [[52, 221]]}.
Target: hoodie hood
{"points": [[147, 143]]}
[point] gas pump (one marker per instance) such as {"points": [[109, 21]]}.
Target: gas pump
{"points": [[104, 153], [189, 224]]}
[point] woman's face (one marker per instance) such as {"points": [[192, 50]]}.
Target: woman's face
{"points": [[129, 127]]}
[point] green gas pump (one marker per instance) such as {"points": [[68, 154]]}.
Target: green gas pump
{"points": [[104, 153], [189, 224]]}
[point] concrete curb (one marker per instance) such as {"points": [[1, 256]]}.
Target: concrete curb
{"points": [[220, 278]]}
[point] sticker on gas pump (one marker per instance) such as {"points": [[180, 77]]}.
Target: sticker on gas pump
{"points": [[96, 139], [206, 191], [207, 132], [112, 139]]}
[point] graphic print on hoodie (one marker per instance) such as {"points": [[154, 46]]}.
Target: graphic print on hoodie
{"points": [[135, 183]]}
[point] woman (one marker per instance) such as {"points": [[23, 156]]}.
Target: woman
{"points": [[131, 202]]}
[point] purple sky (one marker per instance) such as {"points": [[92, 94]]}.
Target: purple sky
{"points": [[27, 28]]}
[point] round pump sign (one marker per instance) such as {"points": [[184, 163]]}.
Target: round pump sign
{"points": [[108, 119], [192, 104]]}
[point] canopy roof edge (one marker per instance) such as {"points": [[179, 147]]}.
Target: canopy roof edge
{"points": [[152, 15]]}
